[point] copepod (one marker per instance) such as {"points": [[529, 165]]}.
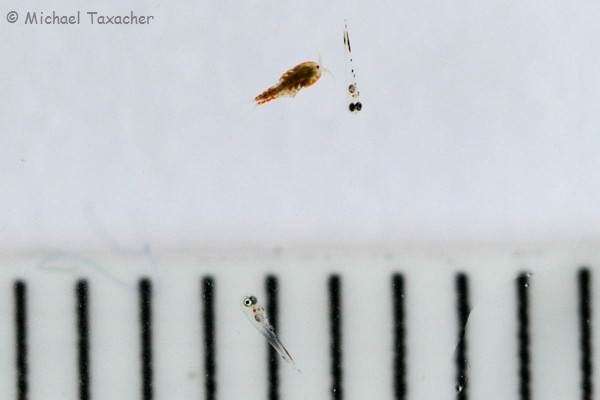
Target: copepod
{"points": [[301, 76]]}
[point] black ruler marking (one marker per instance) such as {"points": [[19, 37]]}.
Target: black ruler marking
{"points": [[399, 338], [523, 336], [273, 356], [208, 316], [335, 315], [81, 291], [585, 326], [145, 291], [463, 310], [20, 292]]}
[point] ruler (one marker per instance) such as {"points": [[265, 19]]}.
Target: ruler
{"points": [[406, 324]]}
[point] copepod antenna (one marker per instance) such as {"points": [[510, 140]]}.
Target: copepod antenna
{"points": [[320, 62]]}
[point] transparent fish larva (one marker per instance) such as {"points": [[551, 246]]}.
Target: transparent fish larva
{"points": [[352, 93], [301, 76], [258, 318]]}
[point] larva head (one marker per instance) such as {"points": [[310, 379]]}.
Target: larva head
{"points": [[251, 308]]}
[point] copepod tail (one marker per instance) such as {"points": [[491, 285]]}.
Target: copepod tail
{"points": [[268, 95]]}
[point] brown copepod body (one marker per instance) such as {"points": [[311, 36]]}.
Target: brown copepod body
{"points": [[301, 76]]}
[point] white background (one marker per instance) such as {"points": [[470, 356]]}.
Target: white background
{"points": [[480, 126]]}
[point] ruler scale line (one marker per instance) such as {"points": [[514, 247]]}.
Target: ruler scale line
{"points": [[273, 357], [81, 291], [20, 293], [208, 317], [523, 336], [335, 315], [585, 326], [33, 317], [400, 386], [145, 291], [463, 310]]}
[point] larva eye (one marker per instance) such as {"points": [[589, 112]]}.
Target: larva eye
{"points": [[250, 301]]}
